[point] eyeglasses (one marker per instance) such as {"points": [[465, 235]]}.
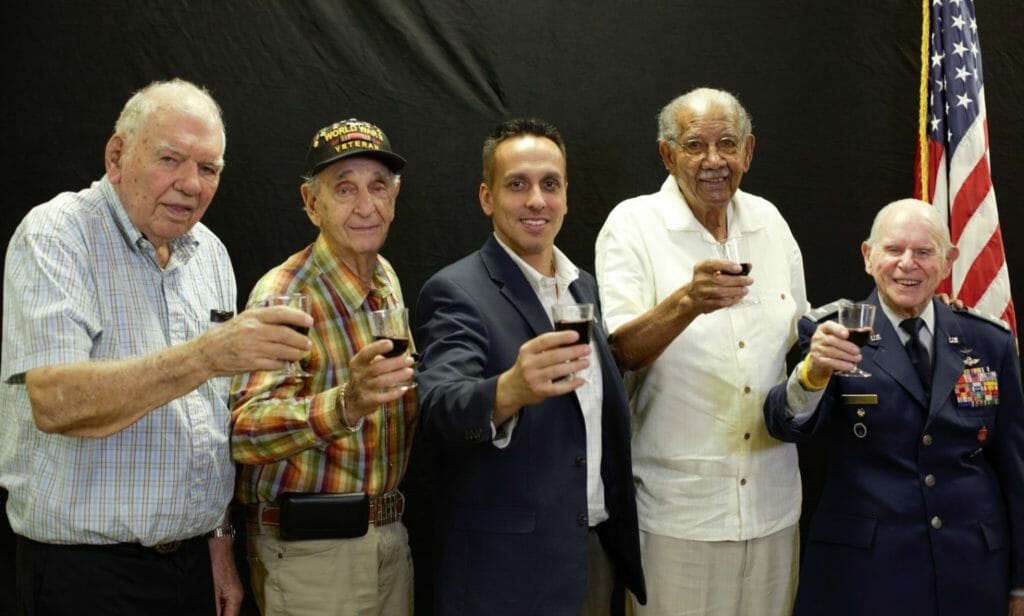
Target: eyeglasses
{"points": [[726, 146]]}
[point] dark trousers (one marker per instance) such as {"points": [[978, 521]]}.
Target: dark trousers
{"points": [[114, 580]]}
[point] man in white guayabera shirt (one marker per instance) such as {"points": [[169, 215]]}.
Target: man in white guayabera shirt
{"points": [[704, 340]]}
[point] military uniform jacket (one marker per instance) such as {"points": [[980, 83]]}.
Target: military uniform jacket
{"points": [[923, 506]]}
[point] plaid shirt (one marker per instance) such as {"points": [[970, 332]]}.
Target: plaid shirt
{"points": [[82, 284], [287, 432]]}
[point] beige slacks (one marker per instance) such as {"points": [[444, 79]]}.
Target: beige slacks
{"points": [[720, 578], [369, 575]]}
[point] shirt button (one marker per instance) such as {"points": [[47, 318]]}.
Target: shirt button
{"points": [[936, 522], [783, 296], [581, 461], [926, 440], [743, 481], [581, 519], [746, 436], [929, 480], [746, 389], [742, 344]]}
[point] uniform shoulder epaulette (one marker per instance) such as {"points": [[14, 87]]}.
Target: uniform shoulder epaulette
{"points": [[826, 310], [983, 316]]}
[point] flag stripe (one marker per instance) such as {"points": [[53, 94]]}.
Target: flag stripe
{"points": [[959, 178]]}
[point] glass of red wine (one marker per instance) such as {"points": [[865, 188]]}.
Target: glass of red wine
{"points": [[392, 324], [859, 320], [735, 249], [577, 317], [299, 302]]}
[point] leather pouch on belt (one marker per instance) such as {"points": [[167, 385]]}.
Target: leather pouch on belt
{"points": [[323, 516]]}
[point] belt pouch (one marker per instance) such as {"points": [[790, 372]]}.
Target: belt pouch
{"points": [[323, 516]]}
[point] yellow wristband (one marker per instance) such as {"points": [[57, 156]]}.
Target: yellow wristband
{"points": [[805, 378]]}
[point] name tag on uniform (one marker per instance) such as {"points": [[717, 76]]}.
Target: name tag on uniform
{"points": [[859, 399]]}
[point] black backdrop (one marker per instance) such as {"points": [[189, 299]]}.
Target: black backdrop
{"points": [[832, 88]]}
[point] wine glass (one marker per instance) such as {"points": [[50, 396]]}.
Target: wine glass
{"points": [[737, 250], [859, 320], [577, 317], [299, 302], [392, 324]]}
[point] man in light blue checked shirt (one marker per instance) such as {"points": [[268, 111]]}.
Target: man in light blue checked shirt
{"points": [[118, 337]]}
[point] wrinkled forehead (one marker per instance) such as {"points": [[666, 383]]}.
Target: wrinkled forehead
{"points": [[707, 117], [904, 228]]}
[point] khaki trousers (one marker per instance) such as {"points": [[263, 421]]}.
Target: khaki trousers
{"points": [[369, 575], [720, 578]]}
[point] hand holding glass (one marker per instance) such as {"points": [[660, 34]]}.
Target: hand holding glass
{"points": [[299, 302], [859, 319]]}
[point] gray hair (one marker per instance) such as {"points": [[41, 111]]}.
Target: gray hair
{"points": [[699, 101], [175, 94], [926, 211]]}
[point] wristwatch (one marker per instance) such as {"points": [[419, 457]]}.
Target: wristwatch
{"points": [[222, 531]]}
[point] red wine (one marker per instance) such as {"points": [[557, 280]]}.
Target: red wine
{"points": [[743, 272], [860, 336], [400, 345], [580, 327], [302, 330]]}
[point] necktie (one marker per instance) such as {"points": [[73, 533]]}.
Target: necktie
{"points": [[918, 354]]}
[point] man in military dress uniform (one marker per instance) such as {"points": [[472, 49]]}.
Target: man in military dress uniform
{"points": [[923, 506]]}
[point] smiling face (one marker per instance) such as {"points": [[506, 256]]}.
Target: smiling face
{"points": [[526, 198], [906, 259], [352, 202], [707, 176], [167, 172]]}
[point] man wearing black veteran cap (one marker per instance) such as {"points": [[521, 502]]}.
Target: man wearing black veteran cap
{"points": [[923, 508], [323, 454]]}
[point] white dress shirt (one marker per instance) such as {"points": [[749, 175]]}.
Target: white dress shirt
{"points": [[705, 466]]}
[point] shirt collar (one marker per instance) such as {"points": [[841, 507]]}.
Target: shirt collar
{"points": [[928, 316], [565, 271], [678, 215], [182, 248], [350, 288]]}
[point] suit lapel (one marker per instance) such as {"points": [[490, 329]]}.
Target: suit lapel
{"points": [[890, 356], [513, 286]]}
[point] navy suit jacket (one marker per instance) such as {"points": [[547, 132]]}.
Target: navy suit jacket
{"points": [[923, 505], [512, 522]]}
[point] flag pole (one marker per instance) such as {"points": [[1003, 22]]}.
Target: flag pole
{"points": [[922, 112]]}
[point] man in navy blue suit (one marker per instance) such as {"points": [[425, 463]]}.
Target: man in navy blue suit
{"points": [[535, 502], [923, 505]]}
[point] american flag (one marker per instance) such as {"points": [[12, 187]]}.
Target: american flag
{"points": [[957, 167]]}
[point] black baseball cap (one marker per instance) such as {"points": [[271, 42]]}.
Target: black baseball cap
{"points": [[350, 137]]}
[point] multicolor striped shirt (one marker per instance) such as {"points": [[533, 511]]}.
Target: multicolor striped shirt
{"points": [[287, 433]]}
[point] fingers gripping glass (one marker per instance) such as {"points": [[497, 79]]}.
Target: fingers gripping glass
{"points": [[859, 319], [299, 302]]}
